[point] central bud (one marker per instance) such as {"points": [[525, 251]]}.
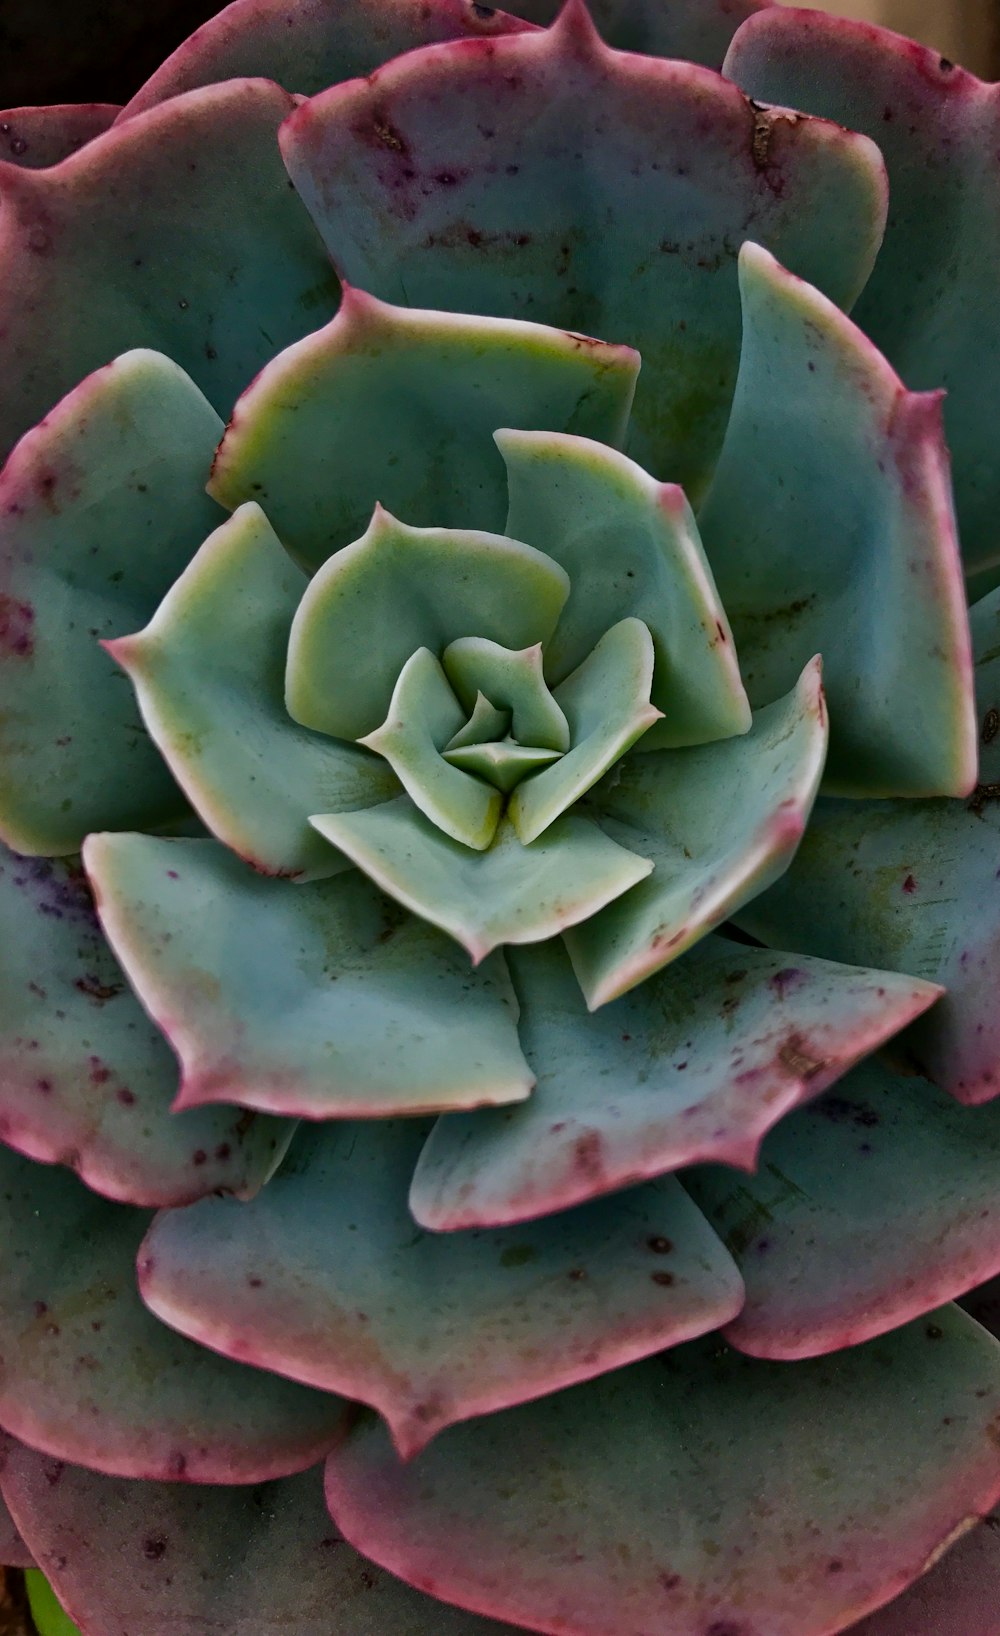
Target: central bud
{"points": [[465, 730]]}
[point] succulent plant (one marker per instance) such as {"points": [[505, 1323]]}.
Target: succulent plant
{"points": [[500, 783]]}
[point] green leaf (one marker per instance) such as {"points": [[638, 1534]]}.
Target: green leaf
{"points": [[510, 893], [424, 716], [554, 150], [697, 30], [208, 671], [395, 406], [101, 507], [85, 1079], [719, 823], [697, 1063], [631, 548], [871, 1206], [217, 289], [398, 589], [606, 703], [326, 1280], [90, 1376], [698, 1488], [319, 1001], [829, 526], [913, 886], [46, 1610], [930, 304], [512, 681]]}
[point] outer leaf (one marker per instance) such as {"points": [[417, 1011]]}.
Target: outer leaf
{"points": [[698, 1489], [960, 1593], [397, 406], [325, 1280], [696, 30], [14, 1552], [37, 137], [84, 276], [870, 1207], [829, 527], [508, 894], [914, 887], [208, 671], [319, 1001], [606, 702], [696, 1063], [398, 589], [130, 1556], [84, 1079], [88, 1374], [556, 148], [307, 45], [630, 546], [101, 507], [719, 823], [930, 304]]}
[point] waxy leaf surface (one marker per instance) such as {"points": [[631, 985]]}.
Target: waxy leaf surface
{"points": [[85, 276], [259, 1560], [556, 148], [698, 1488], [39, 136], [318, 1001], [400, 407], [101, 507], [631, 548], [327, 1279], [870, 1206], [89, 1375], [85, 1079], [930, 304], [695, 30], [718, 822], [914, 886], [829, 528], [696, 1063], [209, 673]]}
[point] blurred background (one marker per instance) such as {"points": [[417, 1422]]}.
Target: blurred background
{"points": [[102, 50]]}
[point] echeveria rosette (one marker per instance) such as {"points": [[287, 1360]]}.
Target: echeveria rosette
{"points": [[418, 797]]}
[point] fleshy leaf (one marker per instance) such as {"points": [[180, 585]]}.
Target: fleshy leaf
{"points": [[914, 886], [400, 407], [318, 1001], [85, 1080], [424, 715], [930, 304], [960, 1593], [701, 1488], [84, 275], [252, 1560], [89, 1375], [398, 589], [829, 527], [47, 1613], [606, 702], [209, 673], [631, 547], [720, 823], [14, 1553], [101, 506], [41, 136], [503, 764], [508, 894], [695, 30], [307, 45], [871, 1206], [511, 680], [326, 1280], [556, 147], [695, 1064]]}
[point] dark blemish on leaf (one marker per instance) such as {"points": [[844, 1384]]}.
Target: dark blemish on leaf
{"points": [[663, 1278], [154, 1547], [256, 1283], [726, 1627], [223, 1150], [933, 1333], [485, 12], [835, 1566], [387, 134], [100, 993], [789, 977], [946, 65], [668, 1582], [587, 1150], [577, 1274], [982, 796], [991, 725], [17, 620], [797, 1059], [840, 1111], [126, 1097], [199, 1156], [909, 884], [659, 1245], [367, 1580]]}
